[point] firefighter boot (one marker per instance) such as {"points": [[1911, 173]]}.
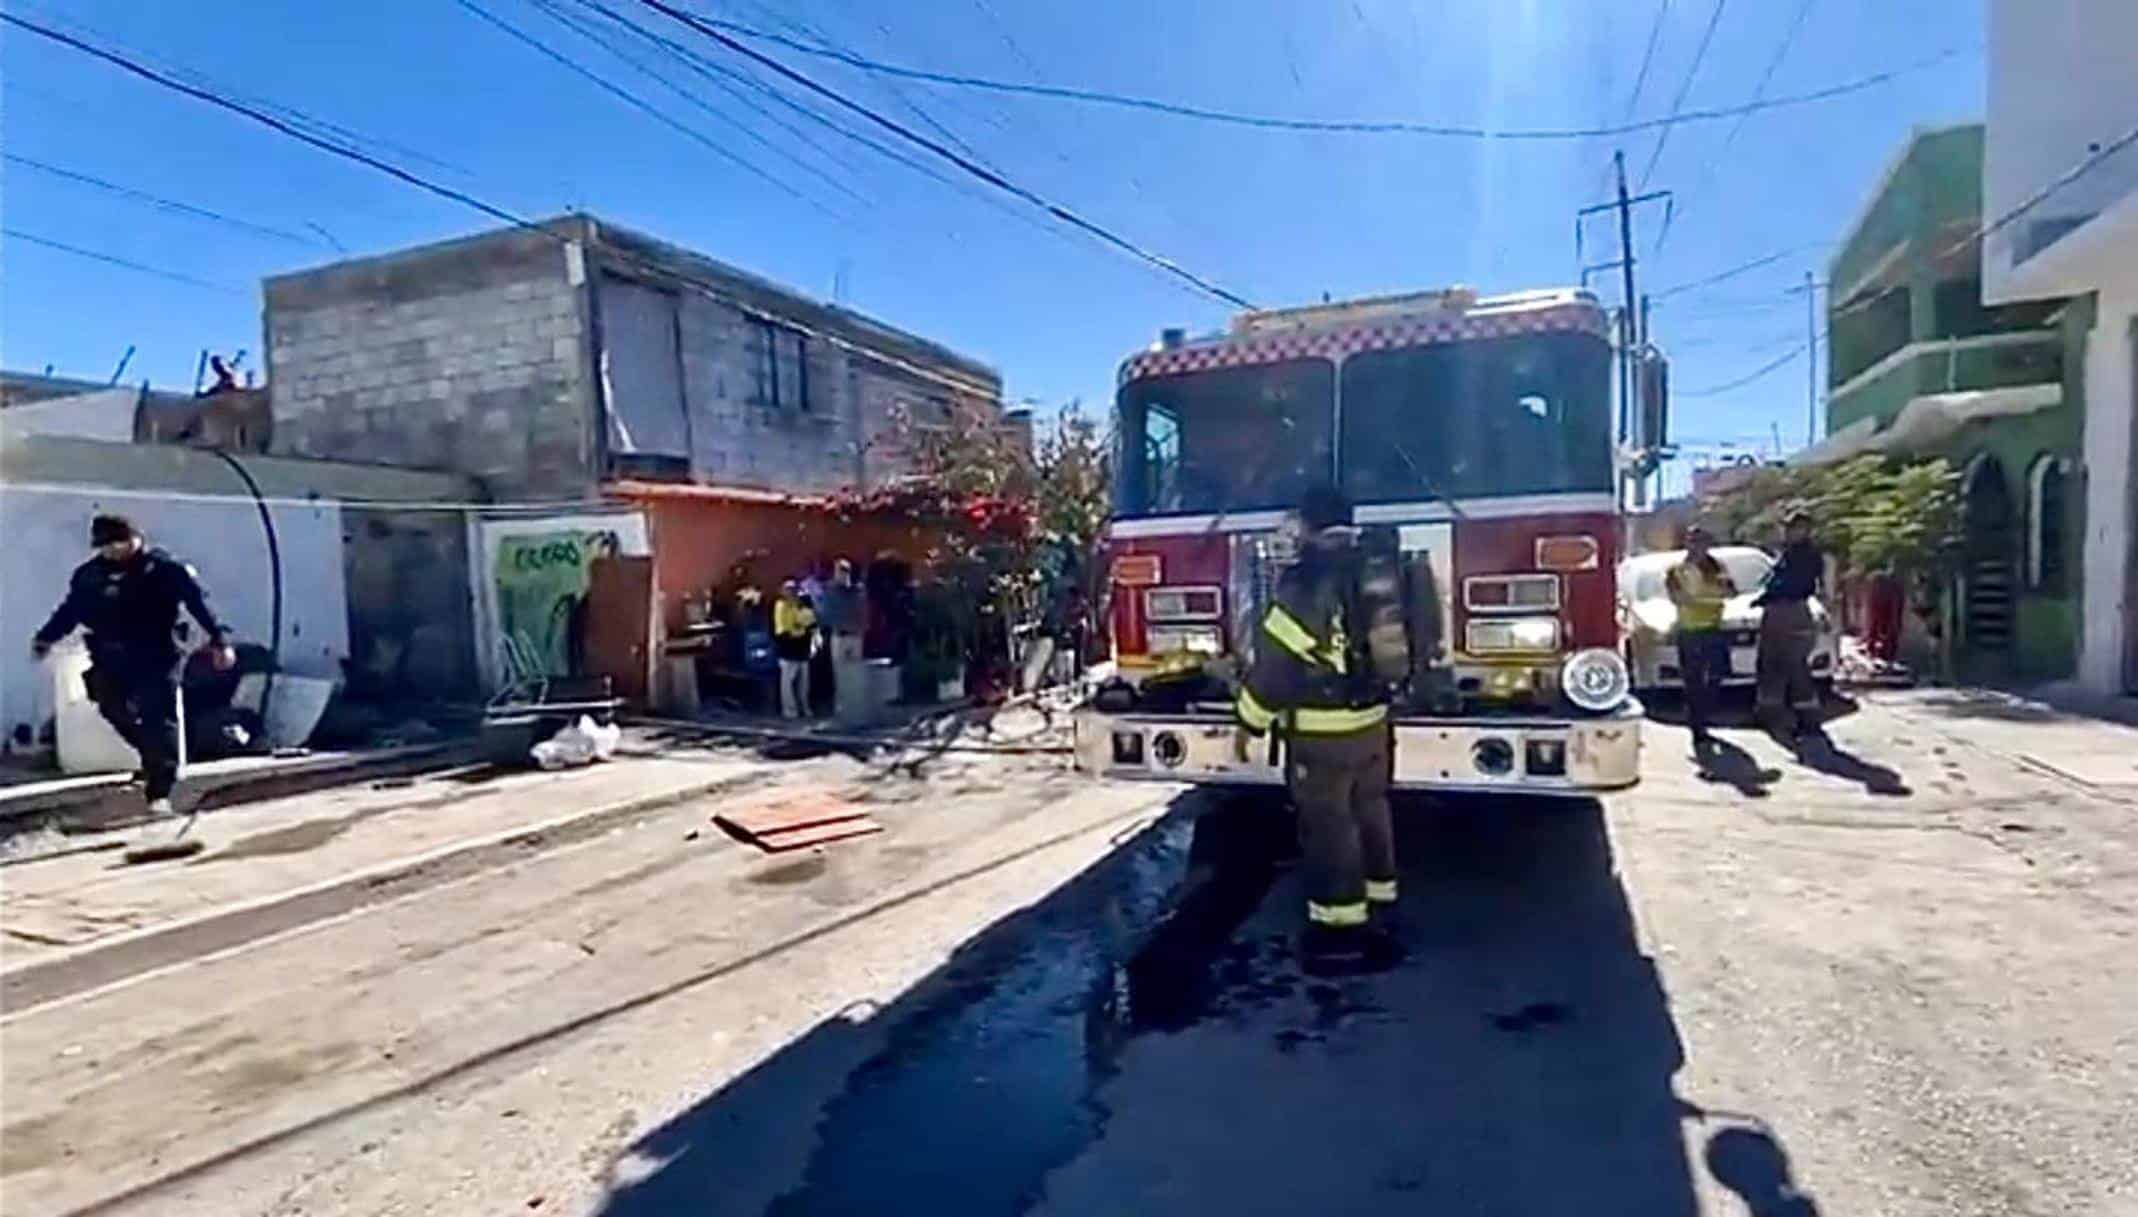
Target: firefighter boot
{"points": [[1347, 951]]}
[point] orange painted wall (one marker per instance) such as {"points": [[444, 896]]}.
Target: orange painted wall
{"points": [[696, 541]]}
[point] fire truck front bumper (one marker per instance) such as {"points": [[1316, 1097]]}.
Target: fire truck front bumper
{"points": [[1570, 756]]}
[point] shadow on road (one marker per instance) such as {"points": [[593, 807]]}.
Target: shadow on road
{"points": [[1821, 753], [1142, 1042], [1744, 1157], [1731, 765]]}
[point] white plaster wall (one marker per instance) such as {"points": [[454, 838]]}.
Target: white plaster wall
{"points": [[106, 415], [2061, 82], [2108, 460], [47, 530]]}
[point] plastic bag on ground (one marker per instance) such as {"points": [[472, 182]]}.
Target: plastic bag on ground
{"points": [[582, 743]]}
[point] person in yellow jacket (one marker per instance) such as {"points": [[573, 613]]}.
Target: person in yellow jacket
{"points": [[1311, 683], [1700, 587], [794, 629]]}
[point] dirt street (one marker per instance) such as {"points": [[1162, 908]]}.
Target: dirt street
{"points": [[1893, 980]]}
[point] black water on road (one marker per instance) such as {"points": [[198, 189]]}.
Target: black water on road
{"points": [[1143, 1042]]}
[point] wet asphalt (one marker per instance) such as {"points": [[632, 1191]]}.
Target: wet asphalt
{"points": [[1143, 1041]]}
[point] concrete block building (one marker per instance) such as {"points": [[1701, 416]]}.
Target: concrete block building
{"points": [[1920, 367], [548, 361], [591, 369]]}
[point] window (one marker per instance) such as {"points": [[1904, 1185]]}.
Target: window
{"points": [[642, 380], [779, 366], [2048, 515], [1500, 416], [1227, 439]]}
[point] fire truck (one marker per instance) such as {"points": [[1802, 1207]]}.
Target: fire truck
{"points": [[1476, 437]]}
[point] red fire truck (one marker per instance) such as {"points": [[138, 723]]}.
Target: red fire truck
{"points": [[1479, 431]]}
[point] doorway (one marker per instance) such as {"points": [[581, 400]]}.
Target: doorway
{"points": [[1987, 545]]}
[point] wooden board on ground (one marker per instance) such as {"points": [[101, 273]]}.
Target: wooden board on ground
{"points": [[790, 819], [822, 834]]}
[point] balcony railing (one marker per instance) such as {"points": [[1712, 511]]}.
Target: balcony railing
{"points": [[1985, 361]]}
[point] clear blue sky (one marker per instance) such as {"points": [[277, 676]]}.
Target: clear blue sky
{"points": [[1278, 217]]}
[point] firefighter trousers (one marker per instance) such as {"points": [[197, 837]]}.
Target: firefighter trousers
{"points": [[1340, 785]]}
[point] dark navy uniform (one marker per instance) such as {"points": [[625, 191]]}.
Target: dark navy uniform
{"points": [[130, 609], [1312, 681]]}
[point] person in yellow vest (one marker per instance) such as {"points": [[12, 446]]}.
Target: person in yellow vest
{"points": [[1699, 585], [1311, 683], [794, 628]]}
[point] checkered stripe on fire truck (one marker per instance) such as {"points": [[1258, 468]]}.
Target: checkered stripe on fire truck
{"points": [[1334, 344]]}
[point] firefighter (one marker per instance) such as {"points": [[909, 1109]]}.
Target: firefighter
{"points": [[128, 597], [1311, 682]]}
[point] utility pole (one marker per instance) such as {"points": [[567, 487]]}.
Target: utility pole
{"points": [[1625, 266], [1811, 360], [1633, 311]]}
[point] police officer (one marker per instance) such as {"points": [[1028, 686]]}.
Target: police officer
{"points": [[1788, 700], [128, 597], [1312, 682]]}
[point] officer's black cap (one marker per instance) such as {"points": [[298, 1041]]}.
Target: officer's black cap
{"points": [[110, 530]]}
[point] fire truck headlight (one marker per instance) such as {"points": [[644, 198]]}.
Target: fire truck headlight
{"points": [[1596, 680], [1529, 634], [1189, 639]]}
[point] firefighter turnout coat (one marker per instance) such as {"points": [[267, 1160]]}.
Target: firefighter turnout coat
{"points": [[1311, 675]]}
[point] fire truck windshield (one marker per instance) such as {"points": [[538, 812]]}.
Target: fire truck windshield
{"points": [[1229, 439], [1522, 415], [1499, 416]]}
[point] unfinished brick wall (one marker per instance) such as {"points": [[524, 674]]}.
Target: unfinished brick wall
{"points": [[738, 439], [839, 436], [469, 357]]}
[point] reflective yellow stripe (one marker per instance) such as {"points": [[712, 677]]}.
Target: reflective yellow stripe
{"points": [[1337, 914], [1380, 891], [1338, 722], [1337, 654], [1291, 635], [1252, 712]]}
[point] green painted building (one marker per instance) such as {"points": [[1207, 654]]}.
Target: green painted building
{"points": [[1918, 366]]}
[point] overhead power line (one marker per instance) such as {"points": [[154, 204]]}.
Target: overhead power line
{"points": [[1763, 370], [965, 163], [1766, 77], [725, 77], [142, 267], [1742, 268], [1640, 78], [593, 33], [1350, 126], [705, 287], [640, 104], [158, 201], [1759, 93], [729, 79], [265, 119], [1677, 104]]}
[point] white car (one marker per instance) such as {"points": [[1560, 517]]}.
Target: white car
{"points": [[1651, 620]]}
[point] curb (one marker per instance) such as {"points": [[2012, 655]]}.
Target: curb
{"points": [[98, 965], [210, 792]]}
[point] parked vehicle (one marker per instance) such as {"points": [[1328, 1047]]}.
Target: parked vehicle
{"points": [[1476, 437], [1651, 620]]}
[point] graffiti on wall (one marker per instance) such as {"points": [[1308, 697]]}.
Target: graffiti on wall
{"points": [[542, 583]]}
